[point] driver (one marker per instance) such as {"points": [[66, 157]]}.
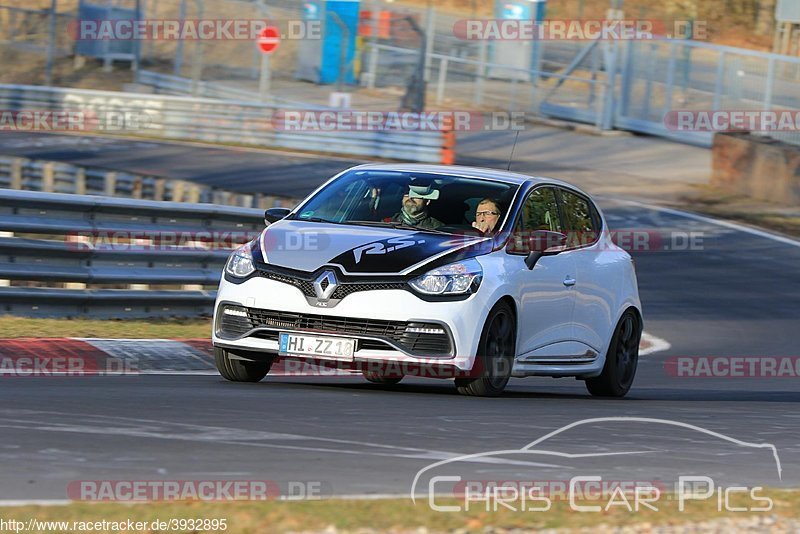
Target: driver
{"points": [[414, 211]]}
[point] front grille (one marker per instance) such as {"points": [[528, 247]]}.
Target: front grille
{"points": [[422, 344], [306, 286], [345, 289], [326, 323]]}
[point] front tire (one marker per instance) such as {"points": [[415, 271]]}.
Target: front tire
{"points": [[621, 360], [237, 370], [496, 352]]}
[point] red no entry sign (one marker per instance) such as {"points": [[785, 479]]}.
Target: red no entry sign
{"points": [[269, 39]]}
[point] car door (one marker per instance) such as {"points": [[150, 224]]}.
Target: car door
{"points": [[597, 277], [545, 296]]}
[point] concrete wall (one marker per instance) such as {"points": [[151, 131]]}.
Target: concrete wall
{"points": [[756, 166]]}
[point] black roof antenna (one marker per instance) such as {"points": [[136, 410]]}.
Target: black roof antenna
{"points": [[511, 157]]}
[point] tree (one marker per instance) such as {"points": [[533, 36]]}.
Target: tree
{"points": [[765, 23]]}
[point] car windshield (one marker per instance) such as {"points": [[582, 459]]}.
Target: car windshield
{"points": [[422, 201]]}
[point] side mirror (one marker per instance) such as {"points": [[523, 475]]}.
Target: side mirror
{"points": [[275, 214], [544, 243]]}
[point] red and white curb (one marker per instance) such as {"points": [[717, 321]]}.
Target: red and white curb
{"points": [[95, 356]]}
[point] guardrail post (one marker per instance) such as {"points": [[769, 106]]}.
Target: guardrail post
{"points": [[177, 190], [158, 189], [48, 177], [77, 239], [6, 283], [111, 183], [144, 242], [718, 83], [80, 181], [770, 84], [373, 66], [480, 75], [193, 195], [16, 172], [136, 189], [443, 63]]}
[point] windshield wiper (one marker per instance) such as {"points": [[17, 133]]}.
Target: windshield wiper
{"points": [[316, 220], [396, 225]]}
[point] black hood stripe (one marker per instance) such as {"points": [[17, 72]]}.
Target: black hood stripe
{"points": [[409, 253]]}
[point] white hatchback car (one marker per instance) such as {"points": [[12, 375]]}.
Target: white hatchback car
{"points": [[466, 273]]}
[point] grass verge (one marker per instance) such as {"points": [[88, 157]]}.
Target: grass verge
{"points": [[401, 515], [15, 327], [715, 202]]}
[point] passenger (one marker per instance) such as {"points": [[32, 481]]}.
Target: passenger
{"points": [[487, 215], [414, 211]]}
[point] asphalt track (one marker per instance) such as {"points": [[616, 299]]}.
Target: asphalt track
{"points": [[736, 295]]}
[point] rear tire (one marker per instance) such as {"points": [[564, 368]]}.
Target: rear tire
{"points": [[621, 360], [237, 370], [384, 380], [495, 358]]}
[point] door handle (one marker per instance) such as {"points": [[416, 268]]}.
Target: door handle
{"points": [[569, 281]]}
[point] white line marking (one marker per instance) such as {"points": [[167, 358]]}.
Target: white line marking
{"points": [[656, 344], [711, 220], [116, 426], [344, 497], [35, 502]]}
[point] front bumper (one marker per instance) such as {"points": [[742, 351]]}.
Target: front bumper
{"points": [[379, 320]]}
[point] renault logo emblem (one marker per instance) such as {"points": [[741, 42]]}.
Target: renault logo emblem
{"points": [[325, 285]]}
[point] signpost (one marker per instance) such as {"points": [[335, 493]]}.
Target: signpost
{"points": [[268, 41]]}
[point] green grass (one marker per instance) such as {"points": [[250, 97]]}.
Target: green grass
{"points": [[393, 515], [16, 327]]}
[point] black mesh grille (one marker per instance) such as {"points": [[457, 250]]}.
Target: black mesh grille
{"points": [[433, 344], [344, 288]]}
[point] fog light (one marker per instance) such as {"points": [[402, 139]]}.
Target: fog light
{"points": [[237, 312], [422, 330]]}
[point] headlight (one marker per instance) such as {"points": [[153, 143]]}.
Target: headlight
{"points": [[455, 279], [240, 264]]}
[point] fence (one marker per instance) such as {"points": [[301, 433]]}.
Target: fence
{"points": [[86, 244], [628, 85], [222, 121]]}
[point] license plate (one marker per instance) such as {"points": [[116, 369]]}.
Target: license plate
{"points": [[335, 348]]}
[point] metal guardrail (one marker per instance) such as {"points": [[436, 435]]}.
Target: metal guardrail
{"points": [[56, 177], [80, 245], [224, 121]]}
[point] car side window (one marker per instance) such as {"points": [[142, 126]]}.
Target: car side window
{"points": [[539, 212], [580, 218]]}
